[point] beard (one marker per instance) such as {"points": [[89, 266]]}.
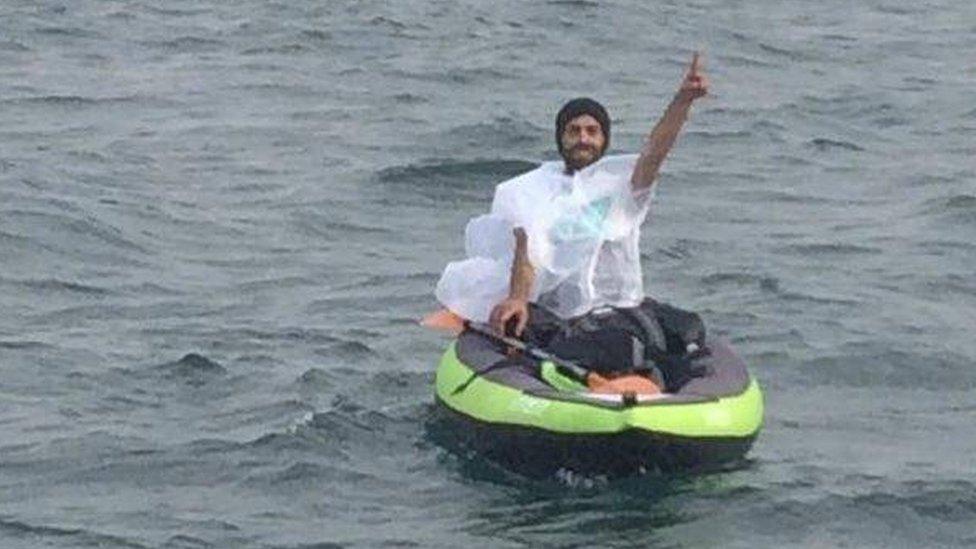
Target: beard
{"points": [[581, 156]]}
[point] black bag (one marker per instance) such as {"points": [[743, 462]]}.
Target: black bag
{"points": [[621, 340], [681, 328]]}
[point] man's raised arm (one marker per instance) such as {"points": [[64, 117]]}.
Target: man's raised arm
{"points": [[664, 134]]}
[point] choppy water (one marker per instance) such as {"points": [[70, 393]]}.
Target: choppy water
{"points": [[219, 222]]}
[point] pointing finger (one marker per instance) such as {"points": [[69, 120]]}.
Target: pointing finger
{"points": [[694, 65]]}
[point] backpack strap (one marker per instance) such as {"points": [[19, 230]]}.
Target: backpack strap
{"points": [[654, 343]]}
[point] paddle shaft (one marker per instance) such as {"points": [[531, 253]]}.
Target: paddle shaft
{"points": [[567, 368]]}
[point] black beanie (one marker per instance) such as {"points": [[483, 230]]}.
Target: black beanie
{"points": [[577, 107]]}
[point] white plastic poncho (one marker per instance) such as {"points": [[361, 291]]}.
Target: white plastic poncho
{"points": [[583, 233]]}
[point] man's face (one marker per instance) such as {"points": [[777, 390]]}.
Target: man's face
{"points": [[582, 141]]}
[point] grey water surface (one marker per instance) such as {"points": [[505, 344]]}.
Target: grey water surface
{"points": [[219, 222]]}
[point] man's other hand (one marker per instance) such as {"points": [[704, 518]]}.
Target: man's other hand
{"points": [[511, 309]]}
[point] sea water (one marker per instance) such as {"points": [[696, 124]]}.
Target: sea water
{"points": [[220, 221]]}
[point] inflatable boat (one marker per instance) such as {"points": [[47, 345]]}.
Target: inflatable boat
{"points": [[526, 415]]}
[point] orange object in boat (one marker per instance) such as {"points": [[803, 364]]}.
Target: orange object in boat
{"points": [[627, 383], [445, 320]]}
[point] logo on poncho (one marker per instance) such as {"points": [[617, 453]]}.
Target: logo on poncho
{"points": [[586, 223]]}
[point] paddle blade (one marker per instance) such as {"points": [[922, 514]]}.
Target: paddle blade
{"points": [[631, 383], [444, 320]]}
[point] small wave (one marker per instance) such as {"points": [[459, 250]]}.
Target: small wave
{"points": [[68, 100], [183, 541], [325, 435], [793, 55], [718, 279], [389, 384], [253, 286], [500, 132], [398, 27], [381, 21], [279, 49], [792, 160], [952, 284], [410, 99], [86, 101], [901, 10], [819, 250], [922, 81], [108, 234], [11, 45], [907, 514], [945, 247], [786, 197], [823, 144], [675, 251], [185, 44], [305, 335], [376, 281], [886, 122], [839, 37], [315, 34], [945, 502], [174, 12], [303, 472], [147, 289], [25, 344], [740, 279], [365, 302], [719, 135], [325, 545], [739, 60], [870, 365], [71, 32], [274, 412], [956, 208], [574, 3], [316, 379], [193, 368], [438, 171], [481, 74], [347, 350], [75, 536], [778, 337], [819, 300], [442, 180], [92, 156], [462, 76], [348, 420], [345, 227], [846, 105], [54, 285], [301, 439], [316, 225], [961, 202]]}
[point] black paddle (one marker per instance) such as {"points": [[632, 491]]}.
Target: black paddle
{"points": [[565, 367]]}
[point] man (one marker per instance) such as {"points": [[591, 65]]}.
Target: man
{"points": [[587, 253]]}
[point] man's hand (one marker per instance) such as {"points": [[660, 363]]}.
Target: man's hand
{"points": [[508, 310], [695, 83]]}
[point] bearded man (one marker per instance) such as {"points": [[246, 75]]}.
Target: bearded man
{"points": [[582, 136], [574, 259]]}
